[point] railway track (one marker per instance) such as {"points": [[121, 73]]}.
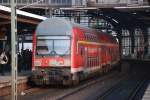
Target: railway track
{"points": [[56, 93], [81, 88], [125, 90], [126, 87]]}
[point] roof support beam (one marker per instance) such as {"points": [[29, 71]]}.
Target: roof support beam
{"points": [[19, 19], [4, 23]]}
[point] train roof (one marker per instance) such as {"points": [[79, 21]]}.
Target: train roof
{"points": [[54, 26], [59, 26]]}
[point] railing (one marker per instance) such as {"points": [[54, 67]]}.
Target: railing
{"points": [[117, 2], [69, 3], [46, 2]]}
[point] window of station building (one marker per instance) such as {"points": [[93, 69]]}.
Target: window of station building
{"points": [[45, 2], [18, 1], [126, 43], [58, 1], [84, 20], [30, 1], [78, 2], [5, 1], [149, 44], [65, 2], [139, 40], [25, 46], [24, 1], [53, 1], [34, 1]]}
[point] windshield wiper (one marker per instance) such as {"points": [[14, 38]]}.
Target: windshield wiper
{"points": [[53, 53], [65, 53]]}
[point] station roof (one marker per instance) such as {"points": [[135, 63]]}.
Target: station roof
{"points": [[138, 15], [22, 16]]}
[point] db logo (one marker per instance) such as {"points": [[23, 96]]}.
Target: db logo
{"points": [[61, 62], [45, 62]]}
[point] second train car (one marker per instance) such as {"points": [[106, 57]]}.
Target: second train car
{"points": [[66, 53]]}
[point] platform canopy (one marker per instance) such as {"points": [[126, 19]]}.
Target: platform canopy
{"points": [[23, 17]]}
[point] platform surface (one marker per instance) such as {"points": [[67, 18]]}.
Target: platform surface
{"points": [[5, 80], [147, 94]]}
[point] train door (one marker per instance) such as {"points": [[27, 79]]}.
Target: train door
{"points": [[105, 69], [82, 61], [111, 55], [85, 62], [100, 58], [85, 57], [104, 56], [108, 55], [82, 56]]}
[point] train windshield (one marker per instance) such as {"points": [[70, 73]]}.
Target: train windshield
{"points": [[53, 45]]}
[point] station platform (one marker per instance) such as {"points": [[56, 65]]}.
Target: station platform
{"points": [[5, 83], [134, 59], [147, 94], [142, 62]]}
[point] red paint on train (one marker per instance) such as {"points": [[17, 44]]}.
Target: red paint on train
{"points": [[88, 51]]}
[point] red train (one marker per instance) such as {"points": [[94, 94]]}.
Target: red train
{"points": [[66, 53]]}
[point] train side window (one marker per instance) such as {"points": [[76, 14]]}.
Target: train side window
{"points": [[88, 37], [81, 51], [85, 37]]}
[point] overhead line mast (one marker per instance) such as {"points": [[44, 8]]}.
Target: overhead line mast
{"points": [[13, 50]]}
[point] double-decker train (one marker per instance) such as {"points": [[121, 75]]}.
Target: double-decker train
{"points": [[66, 53]]}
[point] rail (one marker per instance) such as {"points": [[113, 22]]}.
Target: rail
{"points": [[127, 89], [88, 84]]}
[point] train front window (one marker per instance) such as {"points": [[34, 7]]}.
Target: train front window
{"points": [[62, 47], [53, 45], [44, 47]]}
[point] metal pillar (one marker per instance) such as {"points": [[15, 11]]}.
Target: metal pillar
{"points": [[132, 39], [50, 12], [13, 50], [119, 36], [145, 33]]}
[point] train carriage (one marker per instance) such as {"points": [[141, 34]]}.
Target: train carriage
{"points": [[65, 52]]}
